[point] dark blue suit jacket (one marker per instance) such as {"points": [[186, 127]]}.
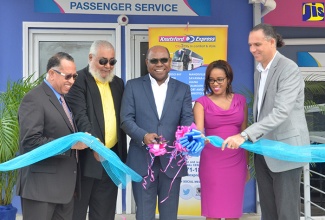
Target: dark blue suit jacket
{"points": [[139, 116]]}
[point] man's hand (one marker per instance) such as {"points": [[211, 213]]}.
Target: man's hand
{"points": [[79, 146], [96, 155], [233, 142], [150, 138]]}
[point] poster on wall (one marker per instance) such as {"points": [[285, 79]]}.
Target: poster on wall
{"points": [[118, 7], [191, 50]]}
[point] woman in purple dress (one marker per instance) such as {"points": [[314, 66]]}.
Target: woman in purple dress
{"points": [[222, 174]]}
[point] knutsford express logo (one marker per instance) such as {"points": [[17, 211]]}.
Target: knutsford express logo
{"points": [[187, 39], [313, 11]]}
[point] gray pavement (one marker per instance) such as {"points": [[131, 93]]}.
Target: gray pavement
{"points": [[251, 216]]}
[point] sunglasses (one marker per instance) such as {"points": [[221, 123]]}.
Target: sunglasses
{"points": [[155, 61], [103, 61], [67, 76]]}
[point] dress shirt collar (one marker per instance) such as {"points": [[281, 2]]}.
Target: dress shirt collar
{"points": [[159, 93], [260, 68], [58, 95], [154, 82]]}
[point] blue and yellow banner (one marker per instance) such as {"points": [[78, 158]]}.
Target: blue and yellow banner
{"points": [[191, 50]]}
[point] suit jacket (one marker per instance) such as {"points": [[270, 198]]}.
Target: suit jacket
{"points": [[282, 116], [86, 104], [139, 116], [42, 119]]}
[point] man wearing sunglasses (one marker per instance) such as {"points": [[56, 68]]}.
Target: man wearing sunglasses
{"points": [[47, 187], [95, 99], [153, 106]]}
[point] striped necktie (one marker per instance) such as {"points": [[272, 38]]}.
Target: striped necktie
{"points": [[66, 110], [68, 113]]}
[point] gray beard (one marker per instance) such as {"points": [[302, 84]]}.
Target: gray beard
{"points": [[96, 74]]}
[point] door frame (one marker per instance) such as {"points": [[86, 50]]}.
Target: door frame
{"points": [[31, 31]]}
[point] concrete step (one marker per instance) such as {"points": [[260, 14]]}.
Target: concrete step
{"points": [[251, 216]]}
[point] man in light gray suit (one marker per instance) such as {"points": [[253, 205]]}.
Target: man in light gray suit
{"points": [[278, 112], [152, 106]]}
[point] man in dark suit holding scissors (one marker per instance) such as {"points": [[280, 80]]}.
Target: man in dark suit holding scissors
{"points": [[154, 105]]}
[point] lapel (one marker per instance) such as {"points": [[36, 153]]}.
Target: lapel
{"points": [[270, 75], [149, 93], [96, 100], [55, 102], [169, 96], [257, 78], [115, 93], [116, 100]]}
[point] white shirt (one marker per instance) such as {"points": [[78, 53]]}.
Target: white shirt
{"points": [[264, 73], [159, 93]]}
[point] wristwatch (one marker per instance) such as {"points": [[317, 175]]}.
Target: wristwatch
{"points": [[244, 135], [143, 144]]}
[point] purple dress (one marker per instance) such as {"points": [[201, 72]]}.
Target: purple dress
{"points": [[222, 173]]}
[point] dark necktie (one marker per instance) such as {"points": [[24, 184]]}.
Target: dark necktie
{"points": [[66, 110]]}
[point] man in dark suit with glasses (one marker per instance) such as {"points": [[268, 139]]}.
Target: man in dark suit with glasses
{"points": [[47, 187], [95, 99]]}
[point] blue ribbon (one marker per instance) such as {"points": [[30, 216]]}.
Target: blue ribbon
{"points": [[115, 168], [193, 142], [279, 150]]}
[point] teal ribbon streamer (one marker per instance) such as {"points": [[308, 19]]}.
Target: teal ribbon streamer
{"points": [[120, 173], [279, 150]]}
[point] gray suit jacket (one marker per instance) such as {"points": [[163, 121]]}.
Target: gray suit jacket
{"points": [[281, 116], [41, 120], [139, 116]]}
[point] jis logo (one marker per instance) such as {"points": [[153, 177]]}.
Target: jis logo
{"points": [[313, 11]]}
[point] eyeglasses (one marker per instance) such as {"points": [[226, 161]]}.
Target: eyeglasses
{"points": [[219, 80], [103, 61], [67, 76], [155, 61]]}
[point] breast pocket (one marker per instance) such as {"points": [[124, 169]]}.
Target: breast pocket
{"points": [[43, 167]]}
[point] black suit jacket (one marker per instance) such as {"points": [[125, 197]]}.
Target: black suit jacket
{"points": [[41, 120], [85, 101]]}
